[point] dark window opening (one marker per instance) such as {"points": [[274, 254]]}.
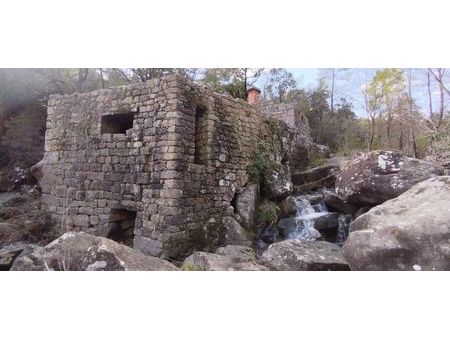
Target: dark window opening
{"points": [[233, 201], [122, 229], [117, 124], [200, 136]]}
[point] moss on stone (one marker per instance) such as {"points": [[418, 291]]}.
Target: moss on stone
{"points": [[267, 213], [190, 267]]}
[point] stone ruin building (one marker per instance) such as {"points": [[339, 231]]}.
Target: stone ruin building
{"points": [[148, 164]]}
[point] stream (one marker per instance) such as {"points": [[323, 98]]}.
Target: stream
{"points": [[313, 221]]}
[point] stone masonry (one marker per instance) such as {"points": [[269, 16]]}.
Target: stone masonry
{"points": [[163, 157], [300, 144]]}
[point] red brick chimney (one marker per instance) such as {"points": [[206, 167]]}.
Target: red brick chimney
{"points": [[253, 96]]}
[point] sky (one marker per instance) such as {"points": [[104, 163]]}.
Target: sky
{"points": [[305, 76], [308, 78]]}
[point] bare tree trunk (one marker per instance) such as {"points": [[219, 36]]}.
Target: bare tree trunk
{"points": [[411, 113], [82, 77], [430, 98], [439, 79], [400, 139], [372, 132], [414, 144], [388, 123], [101, 77], [441, 93], [245, 82], [332, 92]]}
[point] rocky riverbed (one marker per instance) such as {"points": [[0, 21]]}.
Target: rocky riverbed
{"points": [[380, 211]]}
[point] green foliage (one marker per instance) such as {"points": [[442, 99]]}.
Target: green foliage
{"points": [[267, 213], [439, 142], [232, 81], [272, 127], [422, 145], [338, 129], [190, 267], [316, 160], [263, 163], [279, 84]]}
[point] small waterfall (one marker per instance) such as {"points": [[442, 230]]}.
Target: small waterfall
{"points": [[311, 209], [305, 216]]}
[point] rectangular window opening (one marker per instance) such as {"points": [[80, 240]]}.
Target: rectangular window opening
{"points": [[200, 154], [117, 124], [122, 223]]}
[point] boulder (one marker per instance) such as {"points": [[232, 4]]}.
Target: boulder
{"points": [[246, 205], [334, 202], [288, 208], [317, 177], [286, 226], [280, 184], [294, 141], [314, 199], [295, 255], [9, 253], [235, 234], [268, 233], [293, 204], [238, 253], [410, 232], [361, 211], [223, 260], [326, 221], [378, 176], [10, 233], [78, 251]]}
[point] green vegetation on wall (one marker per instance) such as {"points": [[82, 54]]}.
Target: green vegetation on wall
{"points": [[264, 163]]}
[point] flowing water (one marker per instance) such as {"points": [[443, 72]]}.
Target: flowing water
{"points": [[311, 208]]}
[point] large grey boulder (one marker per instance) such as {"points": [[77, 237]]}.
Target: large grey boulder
{"points": [[326, 221], [10, 233], [9, 253], [378, 176], [238, 253], [295, 255], [246, 205], [317, 177], [410, 232], [78, 251], [335, 202], [229, 258], [288, 207], [286, 226], [280, 184], [235, 233]]}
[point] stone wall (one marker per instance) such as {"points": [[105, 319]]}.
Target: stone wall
{"points": [[180, 163], [298, 141], [285, 112]]}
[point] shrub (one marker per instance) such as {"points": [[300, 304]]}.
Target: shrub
{"points": [[422, 145], [268, 213], [316, 160], [190, 267], [263, 163]]}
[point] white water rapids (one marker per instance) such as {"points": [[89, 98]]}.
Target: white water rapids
{"points": [[309, 208]]}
